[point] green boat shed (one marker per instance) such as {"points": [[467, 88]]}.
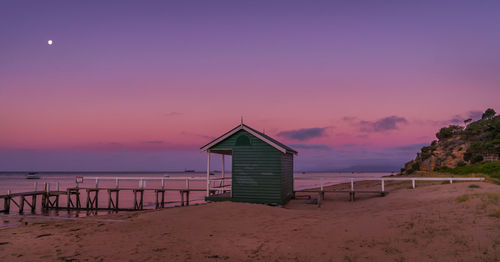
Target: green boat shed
{"points": [[262, 168]]}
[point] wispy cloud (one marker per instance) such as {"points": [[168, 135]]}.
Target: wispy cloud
{"points": [[155, 142], [383, 124], [304, 133], [197, 135], [312, 146], [170, 114]]}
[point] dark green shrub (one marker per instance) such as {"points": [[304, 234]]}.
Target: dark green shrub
{"points": [[461, 163], [488, 114], [467, 156], [476, 159], [447, 132]]}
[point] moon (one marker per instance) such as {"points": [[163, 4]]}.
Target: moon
{"points": [[50, 42]]}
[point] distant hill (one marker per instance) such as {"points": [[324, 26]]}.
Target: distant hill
{"points": [[472, 148]]}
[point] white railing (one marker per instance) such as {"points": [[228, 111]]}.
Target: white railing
{"points": [[382, 180], [142, 180]]}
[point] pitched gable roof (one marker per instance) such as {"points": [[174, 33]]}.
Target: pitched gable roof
{"points": [[269, 140]]}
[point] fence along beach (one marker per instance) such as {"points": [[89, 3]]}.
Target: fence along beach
{"points": [[105, 193]]}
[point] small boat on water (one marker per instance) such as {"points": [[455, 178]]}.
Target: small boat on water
{"points": [[189, 170], [32, 175]]}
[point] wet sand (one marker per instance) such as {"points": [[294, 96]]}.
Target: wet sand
{"points": [[439, 222]]}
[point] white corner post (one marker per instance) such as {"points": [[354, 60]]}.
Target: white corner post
{"points": [[223, 173], [208, 173]]}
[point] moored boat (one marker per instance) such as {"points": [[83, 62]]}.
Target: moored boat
{"points": [[32, 175]]}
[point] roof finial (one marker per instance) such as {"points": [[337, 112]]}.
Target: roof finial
{"points": [[241, 120]]}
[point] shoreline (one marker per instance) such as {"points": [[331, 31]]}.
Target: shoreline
{"points": [[426, 223]]}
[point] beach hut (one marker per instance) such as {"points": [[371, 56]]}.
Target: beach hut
{"points": [[262, 167]]}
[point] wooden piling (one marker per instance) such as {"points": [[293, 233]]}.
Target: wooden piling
{"points": [[138, 203], [6, 204], [73, 192], [92, 201], [113, 204], [33, 203], [159, 203]]}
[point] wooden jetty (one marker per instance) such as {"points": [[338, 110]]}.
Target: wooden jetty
{"points": [[77, 195]]}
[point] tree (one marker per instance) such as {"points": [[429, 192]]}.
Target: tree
{"points": [[467, 121], [488, 114], [449, 131]]}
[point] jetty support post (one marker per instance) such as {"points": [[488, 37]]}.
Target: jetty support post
{"points": [[159, 203], [33, 203], [413, 183], [383, 186], [208, 173], [351, 193], [92, 201], [321, 192], [138, 203], [113, 204], [6, 203], [21, 204]]}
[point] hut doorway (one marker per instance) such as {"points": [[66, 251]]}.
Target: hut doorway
{"points": [[219, 182]]}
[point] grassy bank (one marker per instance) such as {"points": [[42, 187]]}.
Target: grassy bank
{"points": [[489, 169]]}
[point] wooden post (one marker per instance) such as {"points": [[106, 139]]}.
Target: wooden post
{"points": [[35, 186], [109, 199], [413, 183], [135, 200], [117, 198], [383, 189], [451, 181], [162, 183], [117, 183], [208, 173], [21, 205], [57, 186], [96, 182], [182, 197], [223, 174], [33, 203], [6, 204], [352, 184], [69, 203]]}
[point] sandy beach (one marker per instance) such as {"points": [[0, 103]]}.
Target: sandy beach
{"points": [[440, 222]]}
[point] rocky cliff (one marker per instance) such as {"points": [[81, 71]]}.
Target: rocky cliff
{"points": [[457, 146]]}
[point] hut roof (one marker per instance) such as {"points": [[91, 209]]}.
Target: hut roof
{"points": [[269, 140]]}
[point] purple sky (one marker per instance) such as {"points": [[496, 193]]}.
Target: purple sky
{"points": [[141, 85]]}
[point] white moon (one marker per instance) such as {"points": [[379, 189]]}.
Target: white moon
{"points": [[50, 42]]}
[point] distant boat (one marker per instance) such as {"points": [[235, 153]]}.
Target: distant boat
{"points": [[189, 170], [32, 175]]}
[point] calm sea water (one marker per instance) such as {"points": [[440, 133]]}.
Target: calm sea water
{"points": [[17, 182]]}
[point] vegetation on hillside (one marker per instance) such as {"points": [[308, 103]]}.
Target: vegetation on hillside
{"points": [[473, 148]]}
